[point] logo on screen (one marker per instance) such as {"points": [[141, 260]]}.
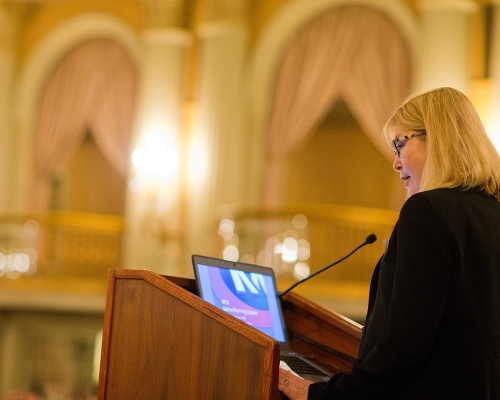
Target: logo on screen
{"points": [[254, 284]]}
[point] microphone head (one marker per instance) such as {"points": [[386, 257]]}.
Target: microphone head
{"points": [[371, 238]]}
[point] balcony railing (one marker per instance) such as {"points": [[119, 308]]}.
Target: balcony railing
{"points": [[298, 240], [60, 244], [294, 241]]}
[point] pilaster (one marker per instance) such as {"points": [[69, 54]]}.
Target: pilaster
{"points": [[445, 43]]}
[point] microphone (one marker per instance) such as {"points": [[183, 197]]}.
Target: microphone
{"points": [[369, 240]]}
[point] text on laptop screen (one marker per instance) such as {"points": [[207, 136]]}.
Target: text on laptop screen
{"points": [[248, 296]]}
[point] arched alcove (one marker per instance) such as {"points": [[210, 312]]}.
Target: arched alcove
{"points": [[91, 91], [268, 55], [35, 72]]}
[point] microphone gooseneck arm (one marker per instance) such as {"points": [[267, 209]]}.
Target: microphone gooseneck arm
{"points": [[369, 240]]}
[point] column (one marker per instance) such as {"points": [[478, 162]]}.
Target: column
{"points": [[218, 168], [152, 216], [9, 354], [445, 43], [7, 65], [493, 125]]}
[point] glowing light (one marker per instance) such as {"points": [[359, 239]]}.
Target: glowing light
{"points": [[197, 161], [304, 250], [31, 227], [301, 271], [155, 158], [135, 184], [18, 262], [226, 228], [9, 266], [494, 132], [21, 262], [226, 225], [271, 244], [231, 253], [13, 274], [496, 141], [289, 250], [278, 249], [299, 221]]}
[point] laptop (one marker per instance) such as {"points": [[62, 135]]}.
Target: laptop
{"points": [[248, 292]]}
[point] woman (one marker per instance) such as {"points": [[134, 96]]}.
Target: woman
{"points": [[433, 324]]}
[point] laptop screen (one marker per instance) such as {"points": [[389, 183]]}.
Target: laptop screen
{"points": [[248, 292]]}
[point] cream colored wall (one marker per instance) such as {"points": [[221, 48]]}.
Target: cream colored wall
{"points": [[37, 19], [92, 184], [265, 10], [340, 165]]}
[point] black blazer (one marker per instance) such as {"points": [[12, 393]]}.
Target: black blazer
{"points": [[433, 324]]}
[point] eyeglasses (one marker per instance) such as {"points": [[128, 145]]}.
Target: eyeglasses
{"points": [[399, 142]]}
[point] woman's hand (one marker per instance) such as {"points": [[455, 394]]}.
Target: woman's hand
{"points": [[292, 386]]}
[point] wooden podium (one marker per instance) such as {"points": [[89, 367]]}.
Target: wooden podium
{"points": [[161, 341]]}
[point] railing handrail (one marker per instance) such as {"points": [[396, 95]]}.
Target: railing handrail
{"points": [[93, 221], [314, 211]]}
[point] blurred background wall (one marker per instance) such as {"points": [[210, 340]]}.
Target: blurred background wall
{"points": [[134, 133]]}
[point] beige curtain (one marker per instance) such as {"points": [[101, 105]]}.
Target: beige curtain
{"points": [[92, 88], [350, 52]]}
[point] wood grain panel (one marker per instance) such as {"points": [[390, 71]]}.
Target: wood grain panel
{"points": [[162, 342]]}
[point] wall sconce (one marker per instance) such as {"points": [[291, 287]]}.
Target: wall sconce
{"points": [[155, 161], [155, 158]]}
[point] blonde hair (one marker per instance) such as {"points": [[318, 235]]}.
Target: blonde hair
{"points": [[459, 152]]}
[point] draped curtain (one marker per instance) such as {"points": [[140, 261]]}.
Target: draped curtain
{"points": [[350, 52], [92, 89]]}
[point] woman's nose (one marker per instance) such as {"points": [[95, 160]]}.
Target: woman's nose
{"points": [[396, 165]]}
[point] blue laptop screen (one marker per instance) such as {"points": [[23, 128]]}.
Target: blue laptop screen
{"points": [[249, 296]]}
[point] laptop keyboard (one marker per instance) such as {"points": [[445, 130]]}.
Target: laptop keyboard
{"points": [[300, 366]]}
